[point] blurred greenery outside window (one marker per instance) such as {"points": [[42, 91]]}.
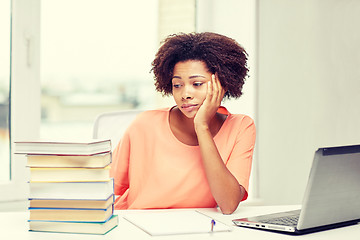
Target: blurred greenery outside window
{"points": [[100, 62]]}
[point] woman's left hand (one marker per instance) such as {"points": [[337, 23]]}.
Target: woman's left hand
{"points": [[208, 109], [224, 187]]}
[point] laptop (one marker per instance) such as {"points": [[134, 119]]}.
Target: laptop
{"points": [[331, 199]]}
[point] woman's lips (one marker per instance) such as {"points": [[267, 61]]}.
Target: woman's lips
{"points": [[189, 107]]}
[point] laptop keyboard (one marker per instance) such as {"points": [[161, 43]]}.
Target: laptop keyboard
{"points": [[286, 220]]}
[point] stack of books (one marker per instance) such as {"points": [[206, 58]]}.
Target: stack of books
{"points": [[70, 186]]}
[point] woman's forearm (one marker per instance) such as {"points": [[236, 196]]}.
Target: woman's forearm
{"points": [[224, 187]]}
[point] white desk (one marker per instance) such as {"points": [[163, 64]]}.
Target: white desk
{"points": [[13, 225]]}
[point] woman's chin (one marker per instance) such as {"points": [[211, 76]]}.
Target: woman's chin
{"points": [[188, 114]]}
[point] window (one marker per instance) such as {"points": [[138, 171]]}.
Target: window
{"points": [[96, 63], [4, 90], [24, 93], [100, 62], [110, 28]]}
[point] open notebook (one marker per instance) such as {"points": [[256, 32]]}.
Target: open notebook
{"points": [[157, 223]]}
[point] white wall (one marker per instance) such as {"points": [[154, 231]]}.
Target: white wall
{"points": [[308, 86], [236, 19]]}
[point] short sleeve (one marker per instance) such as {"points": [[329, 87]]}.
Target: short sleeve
{"points": [[240, 159], [120, 165]]}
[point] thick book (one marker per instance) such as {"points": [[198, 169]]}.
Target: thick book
{"points": [[69, 174], [61, 203], [71, 190], [74, 227], [85, 161], [39, 147], [71, 214]]}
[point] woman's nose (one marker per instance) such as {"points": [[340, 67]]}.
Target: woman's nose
{"points": [[187, 98], [187, 93]]}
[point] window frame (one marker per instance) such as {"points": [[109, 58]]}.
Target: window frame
{"points": [[24, 91]]}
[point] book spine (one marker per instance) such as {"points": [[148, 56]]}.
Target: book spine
{"points": [[100, 191]]}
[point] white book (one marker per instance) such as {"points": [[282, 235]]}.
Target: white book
{"points": [[71, 190], [44, 147]]}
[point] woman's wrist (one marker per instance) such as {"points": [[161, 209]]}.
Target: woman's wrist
{"points": [[201, 127]]}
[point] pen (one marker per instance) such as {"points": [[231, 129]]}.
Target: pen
{"points": [[212, 224]]}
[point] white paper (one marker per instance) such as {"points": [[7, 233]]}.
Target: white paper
{"points": [[175, 222]]}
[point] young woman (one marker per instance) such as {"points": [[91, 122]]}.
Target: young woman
{"points": [[194, 154]]}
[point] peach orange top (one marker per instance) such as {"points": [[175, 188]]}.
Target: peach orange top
{"points": [[153, 169]]}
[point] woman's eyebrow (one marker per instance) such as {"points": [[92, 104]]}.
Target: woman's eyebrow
{"points": [[191, 77], [196, 76]]}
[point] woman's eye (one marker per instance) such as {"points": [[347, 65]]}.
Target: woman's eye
{"points": [[176, 85], [198, 84]]}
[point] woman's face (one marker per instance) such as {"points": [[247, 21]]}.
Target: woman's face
{"points": [[189, 85]]}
